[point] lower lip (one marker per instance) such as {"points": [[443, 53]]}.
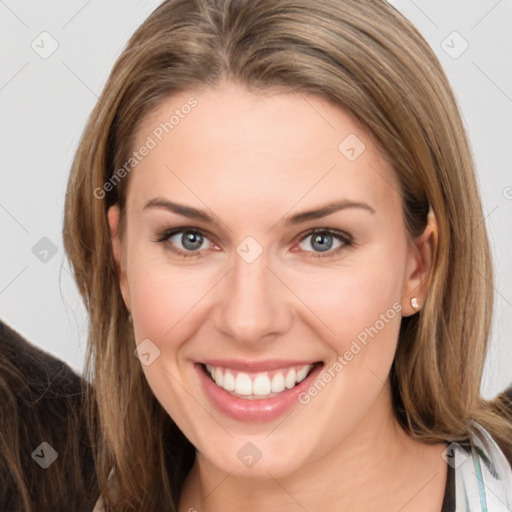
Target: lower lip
{"points": [[258, 410]]}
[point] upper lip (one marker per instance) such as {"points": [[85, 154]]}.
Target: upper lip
{"points": [[256, 366]]}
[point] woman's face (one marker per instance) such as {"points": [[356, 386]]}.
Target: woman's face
{"points": [[252, 292]]}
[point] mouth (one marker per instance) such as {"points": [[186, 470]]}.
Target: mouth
{"points": [[260, 385], [247, 395]]}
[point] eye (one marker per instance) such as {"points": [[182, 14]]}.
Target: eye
{"points": [[323, 240], [192, 239]]}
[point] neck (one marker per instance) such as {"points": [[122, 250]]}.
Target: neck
{"points": [[377, 467]]}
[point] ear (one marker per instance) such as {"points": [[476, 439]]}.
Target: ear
{"points": [[119, 252], [419, 267]]}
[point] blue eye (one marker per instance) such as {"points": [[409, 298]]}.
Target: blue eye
{"points": [[191, 239], [323, 240]]}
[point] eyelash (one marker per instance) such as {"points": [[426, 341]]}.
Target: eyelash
{"points": [[346, 240]]}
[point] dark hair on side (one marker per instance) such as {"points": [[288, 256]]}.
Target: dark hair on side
{"points": [[42, 401]]}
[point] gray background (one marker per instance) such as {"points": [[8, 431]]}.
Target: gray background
{"points": [[46, 100]]}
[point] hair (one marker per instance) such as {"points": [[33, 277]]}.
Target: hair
{"points": [[364, 57], [42, 401]]}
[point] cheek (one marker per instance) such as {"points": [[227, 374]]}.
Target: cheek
{"points": [[163, 300], [362, 308], [348, 300], [337, 301], [162, 294]]}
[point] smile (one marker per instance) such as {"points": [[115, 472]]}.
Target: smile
{"points": [[255, 392], [260, 385]]}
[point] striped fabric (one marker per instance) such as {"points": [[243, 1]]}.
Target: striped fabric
{"points": [[482, 474]]}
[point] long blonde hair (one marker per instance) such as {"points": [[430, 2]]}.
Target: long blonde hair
{"points": [[363, 56]]}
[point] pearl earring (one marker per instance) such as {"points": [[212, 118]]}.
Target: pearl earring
{"points": [[414, 303]]}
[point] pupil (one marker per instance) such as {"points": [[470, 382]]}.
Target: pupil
{"points": [[188, 241], [321, 239]]}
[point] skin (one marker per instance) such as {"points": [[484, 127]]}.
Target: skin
{"points": [[252, 159]]}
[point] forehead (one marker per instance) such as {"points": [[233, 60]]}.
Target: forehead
{"points": [[257, 148]]}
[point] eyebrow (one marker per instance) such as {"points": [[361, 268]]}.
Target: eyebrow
{"points": [[298, 218]]}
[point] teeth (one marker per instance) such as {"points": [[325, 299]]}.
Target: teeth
{"points": [[259, 385], [243, 384], [217, 376], [229, 381], [289, 381], [277, 383], [302, 374]]}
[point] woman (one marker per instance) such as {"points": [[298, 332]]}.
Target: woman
{"points": [[274, 222]]}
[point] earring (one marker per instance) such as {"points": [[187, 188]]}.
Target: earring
{"points": [[129, 317], [414, 303]]}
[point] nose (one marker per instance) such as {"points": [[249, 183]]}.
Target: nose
{"points": [[255, 304]]}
